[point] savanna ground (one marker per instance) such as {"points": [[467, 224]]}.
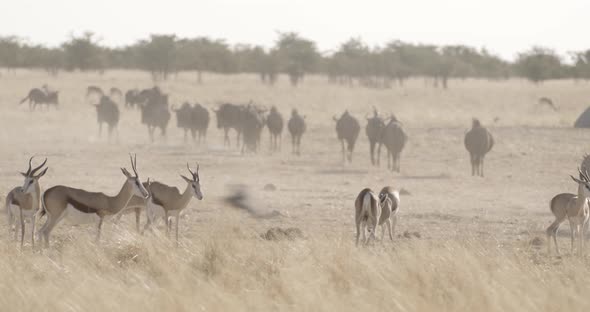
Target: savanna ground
{"points": [[474, 243]]}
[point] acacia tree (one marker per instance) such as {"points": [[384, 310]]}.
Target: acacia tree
{"points": [[83, 53], [157, 55], [539, 64], [297, 55]]}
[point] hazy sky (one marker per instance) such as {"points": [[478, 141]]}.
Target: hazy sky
{"points": [[503, 26]]}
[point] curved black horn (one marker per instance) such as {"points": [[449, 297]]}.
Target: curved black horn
{"points": [[29, 170], [189, 170], [37, 168]]}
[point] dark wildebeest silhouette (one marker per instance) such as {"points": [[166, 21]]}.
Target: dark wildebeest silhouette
{"points": [[347, 129], [132, 98], [183, 118], [374, 130], [107, 112], [200, 122], [94, 91], [228, 117], [114, 91], [41, 97], [478, 141], [394, 138], [155, 113], [275, 124], [296, 127], [252, 123]]}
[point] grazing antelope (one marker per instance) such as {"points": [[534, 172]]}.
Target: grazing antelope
{"points": [[389, 202], [22, 203], [478, 142], [367, 214], [60, 201], [168, 201], [575, 209]]}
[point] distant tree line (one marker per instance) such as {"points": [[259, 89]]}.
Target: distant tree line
{"points": [[353, 63]]}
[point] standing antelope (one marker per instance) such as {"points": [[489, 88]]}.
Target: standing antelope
{"points": [[367, 214], [23, 202], [389, 201], [168, 201], [60, 201], [575, 209]]}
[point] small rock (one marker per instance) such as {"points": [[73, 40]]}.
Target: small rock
{"points": [[537, 241], [270, 187]]}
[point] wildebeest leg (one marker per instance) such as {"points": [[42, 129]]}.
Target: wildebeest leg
{"points": [[100, 129], [293, 141], [151, 133], [226, 137], [472, 157], [271, 143], [481, 166], [299, 145], [378, 154], [343, 151], [372, 151], [185, 134]]}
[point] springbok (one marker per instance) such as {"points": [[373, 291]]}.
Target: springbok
{"points": [[168, 201], [23, 202], [575, 209], [367, 214], [60, 201], [389, 202]]}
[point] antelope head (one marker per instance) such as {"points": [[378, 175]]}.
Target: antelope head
{"points": [[584, 180], [384, 200], [195, 182], [134, 181], [31, 176]]}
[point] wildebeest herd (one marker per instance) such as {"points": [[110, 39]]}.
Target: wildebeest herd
{"points": [[249, 120]]}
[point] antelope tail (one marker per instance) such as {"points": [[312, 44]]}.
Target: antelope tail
{"points": [[366, 206], [42, 211]]}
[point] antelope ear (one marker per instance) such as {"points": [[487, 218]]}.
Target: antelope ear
{"points": [[125, 172], [23, 174], [42, 173], [576, 180], [186, 179]]}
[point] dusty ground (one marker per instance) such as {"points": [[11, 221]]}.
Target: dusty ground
{"points": [[474, 250]]}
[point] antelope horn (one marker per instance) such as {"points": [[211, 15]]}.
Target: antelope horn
{"points": [[29, 170], [189, 170], [133, 163], [37, 168]]}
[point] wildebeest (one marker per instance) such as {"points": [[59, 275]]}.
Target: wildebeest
{"points": [[296, 127], [39, 97], [132, 98], [183, 118], [252, 123], [394, 138], [114, 91], [347, 129], [478, 141], [275, 124], [374, 130], [107, 112], [155, 113], [200, 122], [94, 91], [228, 117]]}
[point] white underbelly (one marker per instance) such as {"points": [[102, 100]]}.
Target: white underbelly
{"points": [[75, 216]]}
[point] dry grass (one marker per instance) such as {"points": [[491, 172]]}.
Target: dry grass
{"points": [[474, 250]]}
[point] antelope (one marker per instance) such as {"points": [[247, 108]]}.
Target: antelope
{"points": [[23, 202], [575, 209], [389, 202], [60, 201], [168, 201], [367, 214]]}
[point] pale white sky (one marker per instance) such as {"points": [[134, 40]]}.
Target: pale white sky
{"points": [[503, 26]]}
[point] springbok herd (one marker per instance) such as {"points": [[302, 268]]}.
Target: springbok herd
{"points": [[26, 203]]}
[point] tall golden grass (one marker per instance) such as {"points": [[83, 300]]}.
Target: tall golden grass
{"points": [[474, 254]]}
